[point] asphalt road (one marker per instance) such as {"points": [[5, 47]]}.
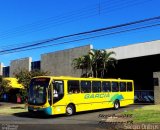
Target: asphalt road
{"points": [[81, 121]]}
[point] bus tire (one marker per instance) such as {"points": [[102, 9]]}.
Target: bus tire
{"points": [[70, 110], [116, 105]]}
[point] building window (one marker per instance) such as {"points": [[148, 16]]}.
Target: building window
{"points": [[6, 71], [35, 65]]}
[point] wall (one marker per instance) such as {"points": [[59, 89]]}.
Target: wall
{"points": [[59, 63], [156, 75], [20, 64], [1, 68], [137, 50]]}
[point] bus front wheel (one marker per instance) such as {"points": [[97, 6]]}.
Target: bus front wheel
{"points": [[116, 105], [70, 110]]}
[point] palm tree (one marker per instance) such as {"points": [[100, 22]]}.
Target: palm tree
{"points": [[87, 64], [107, 61], [95, 59], [95, 63], [78, 63], [83, 63]]}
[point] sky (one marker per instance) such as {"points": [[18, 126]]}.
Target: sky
{"points": [[26, 21]]}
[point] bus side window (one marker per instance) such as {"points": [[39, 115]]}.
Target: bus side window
{"points": [[85, 86], [115, 87], [73, 86], [129, 86], [96, 86], [106, 86], [123, 86]]}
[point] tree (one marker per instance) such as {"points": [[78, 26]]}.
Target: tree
{"points": [[83, 63], [24, 77], [87, 65], [107, 61], [4, 86], [78, 63], [96, 62]]}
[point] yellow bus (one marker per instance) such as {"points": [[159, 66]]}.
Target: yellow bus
{"points": [[68, 95]]}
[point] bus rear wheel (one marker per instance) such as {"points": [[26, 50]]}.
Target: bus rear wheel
{"points": [[116, 105], [70, 110]]}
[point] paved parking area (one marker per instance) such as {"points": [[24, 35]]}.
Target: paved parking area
{"points": [[86, 120]]}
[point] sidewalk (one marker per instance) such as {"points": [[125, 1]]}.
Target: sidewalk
{"points": [[11, 108]]}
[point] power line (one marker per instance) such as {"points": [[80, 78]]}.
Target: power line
{"points": [[88, 34], [73, 16], [92, 31], [77, 40]]}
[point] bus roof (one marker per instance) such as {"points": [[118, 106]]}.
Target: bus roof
{"points": [[80, 78]]}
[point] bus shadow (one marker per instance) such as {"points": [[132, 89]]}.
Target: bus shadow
{"points": [[40, 115], [36, 115]]}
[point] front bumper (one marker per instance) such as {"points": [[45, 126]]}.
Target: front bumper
{"points": [[46, 110]]}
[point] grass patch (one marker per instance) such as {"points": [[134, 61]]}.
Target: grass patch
{"points": [[150, 113], [12, 109]]}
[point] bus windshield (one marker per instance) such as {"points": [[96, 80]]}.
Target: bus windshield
{"points": [[37, 91]]}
